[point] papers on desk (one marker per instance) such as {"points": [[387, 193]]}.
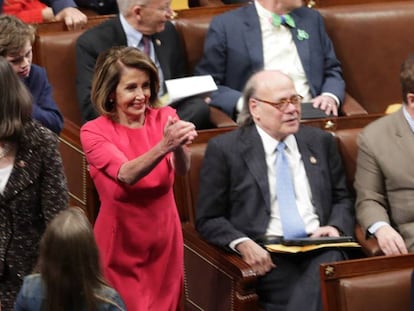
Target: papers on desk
{"points": [[180, 88], [280, 248]]}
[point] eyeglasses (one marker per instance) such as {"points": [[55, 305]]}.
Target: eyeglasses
{"points": [[282, 104]]}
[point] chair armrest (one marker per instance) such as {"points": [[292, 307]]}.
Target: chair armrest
{"points": [[81, 189], [351, 107], [220, 119], [215, 279], [369, 245]]}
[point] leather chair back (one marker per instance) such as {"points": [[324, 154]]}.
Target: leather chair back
{"points": [[371, 41]]}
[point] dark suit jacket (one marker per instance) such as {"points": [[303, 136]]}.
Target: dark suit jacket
{"points": [[234, 199], [45, 109], [233, 51], [59, 5], [35, 192], [167, 46]]}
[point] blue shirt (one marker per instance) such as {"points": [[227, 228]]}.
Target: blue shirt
{"points": [[32, 294]]}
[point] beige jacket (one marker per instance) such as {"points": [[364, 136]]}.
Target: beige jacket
{"points": [[384, 180]]}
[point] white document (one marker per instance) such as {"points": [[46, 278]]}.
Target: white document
{"points": [[189, 86]]}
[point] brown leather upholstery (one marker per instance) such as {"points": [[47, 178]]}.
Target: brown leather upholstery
{"points": [[192, 25], [56, 54], [376, 283], [371, 41], [54, 49], [347, 144], [382, 291]]}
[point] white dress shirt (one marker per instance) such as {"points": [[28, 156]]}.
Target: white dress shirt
{"points": [[301, 185], [280, 52]]}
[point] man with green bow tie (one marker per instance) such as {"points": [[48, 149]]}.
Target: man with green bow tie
{"points": [[277, 35]]}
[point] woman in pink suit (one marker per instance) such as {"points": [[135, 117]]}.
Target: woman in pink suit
{"points": [[133, 150]]}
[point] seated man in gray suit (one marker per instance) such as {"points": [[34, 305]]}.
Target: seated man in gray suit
{"points": [[144, 24], [247, 192], [272, 34], [384, 180]]}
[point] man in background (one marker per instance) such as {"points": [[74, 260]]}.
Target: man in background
{"points": [[277, 35], [243, 186], [384, 180]]}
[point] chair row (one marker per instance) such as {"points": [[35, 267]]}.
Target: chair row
{"points": [[371, 40]]}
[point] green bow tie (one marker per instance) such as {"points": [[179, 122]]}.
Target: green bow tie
{"points": [[284, 19]]}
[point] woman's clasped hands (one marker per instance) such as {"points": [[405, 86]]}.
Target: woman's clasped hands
{"points": [[178, 133]]}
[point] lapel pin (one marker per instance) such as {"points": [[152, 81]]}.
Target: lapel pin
{"points": [[313, 160], [302, 35], [158, 42]]}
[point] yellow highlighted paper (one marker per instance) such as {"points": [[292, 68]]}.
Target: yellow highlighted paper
{"points": [[279, 248]]}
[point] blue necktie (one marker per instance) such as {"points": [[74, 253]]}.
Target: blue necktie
{"points": [[292, 223]]}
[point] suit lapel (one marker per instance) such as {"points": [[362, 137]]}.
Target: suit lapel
{"points": [[312, 162], [302, 46], [120, 36], [162, 55], [252, 152], [252, 36], [404, 134]]}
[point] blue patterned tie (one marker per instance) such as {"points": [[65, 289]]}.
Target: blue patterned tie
{"points": [[292, 223]]}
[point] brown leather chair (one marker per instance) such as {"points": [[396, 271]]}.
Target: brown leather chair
{"points": [[371, 40], [54, 49], [347, 144], [376, 283]]}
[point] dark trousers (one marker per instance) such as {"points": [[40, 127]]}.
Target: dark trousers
{"points": [[295, 283], [195, 110]]}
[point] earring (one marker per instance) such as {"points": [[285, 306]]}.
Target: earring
{"points": [[111, 100]]}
